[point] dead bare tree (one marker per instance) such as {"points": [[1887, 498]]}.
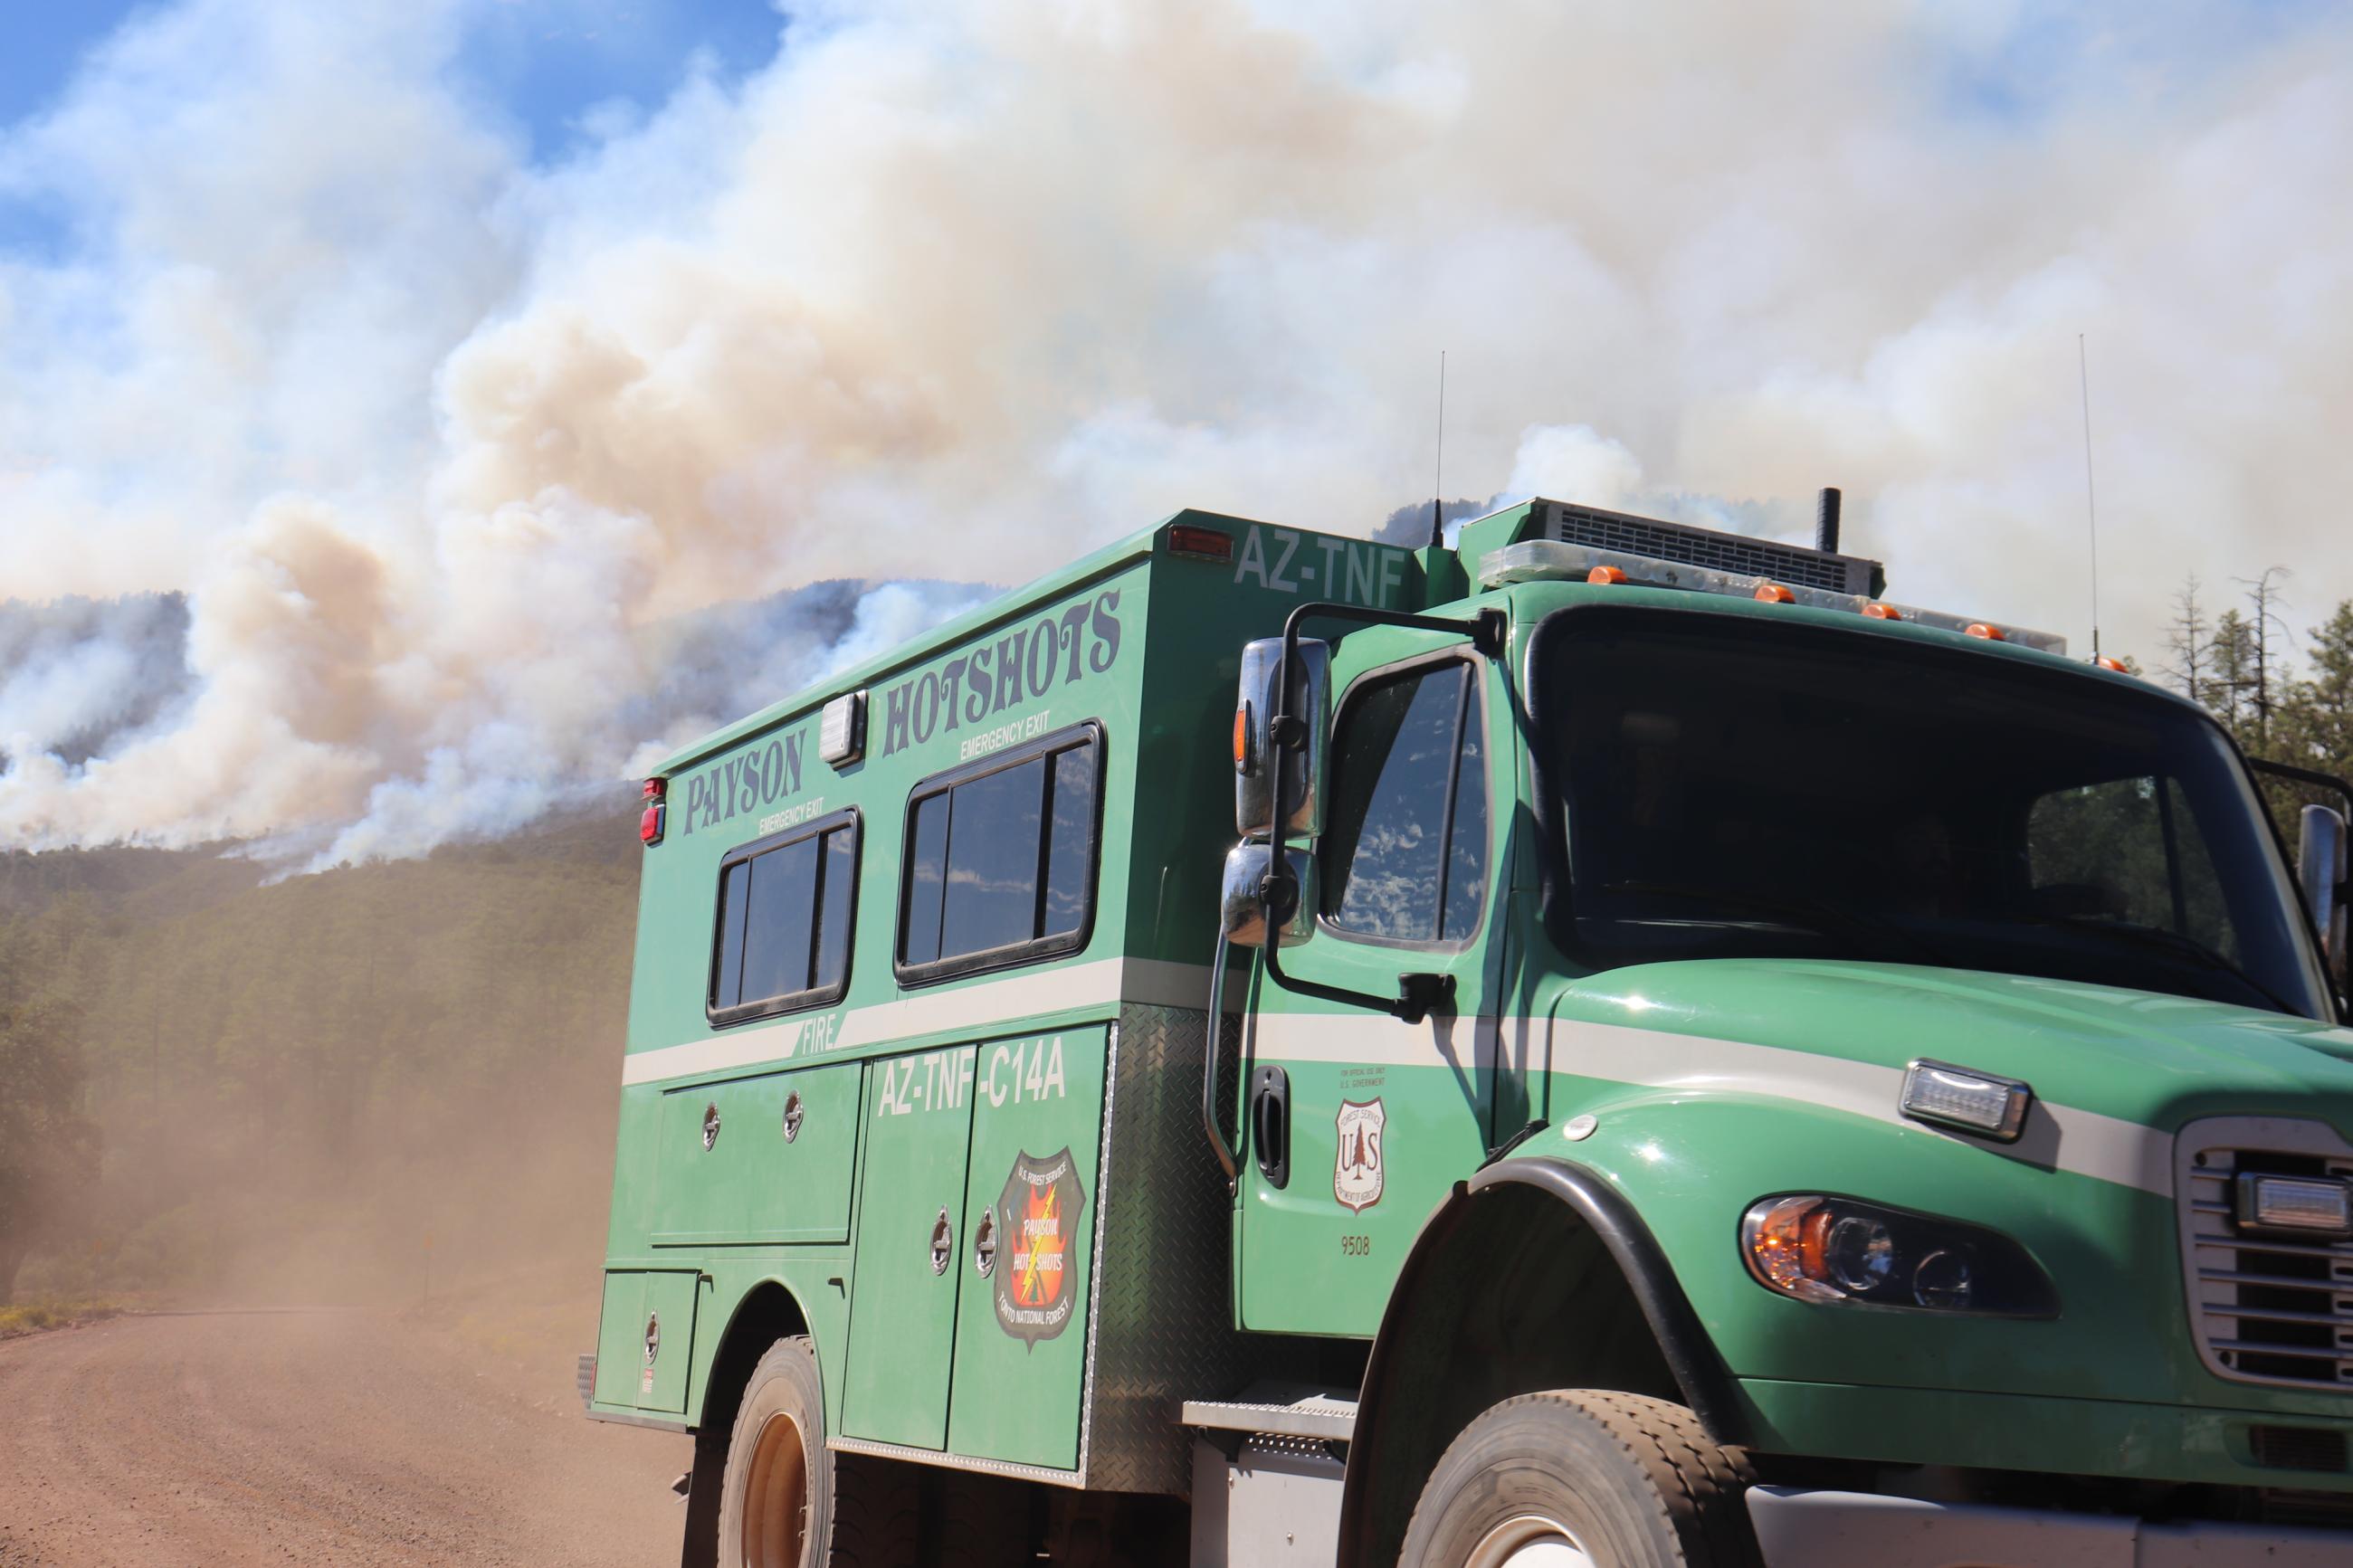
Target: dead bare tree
{"points": [[2263, 597], [2187, 635]]}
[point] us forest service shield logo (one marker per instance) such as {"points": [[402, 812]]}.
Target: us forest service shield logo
{"points": [[1356, 1168], [1038, 1216]]}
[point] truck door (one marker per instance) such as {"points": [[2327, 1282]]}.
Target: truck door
{"points": [[1354, 1120], [910, 1231]]}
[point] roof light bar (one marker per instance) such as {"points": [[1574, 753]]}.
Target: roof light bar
{"points": [[1545, 560]]}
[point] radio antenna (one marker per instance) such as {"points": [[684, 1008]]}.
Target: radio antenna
{"points": [[2091, 501], [1437, 480]]}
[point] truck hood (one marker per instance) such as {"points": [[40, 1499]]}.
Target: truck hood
{"points": [[2155, 1060]]}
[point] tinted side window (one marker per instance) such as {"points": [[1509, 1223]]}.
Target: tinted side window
{"points": [[1000, 863], [784, 923], [1408, 754]]}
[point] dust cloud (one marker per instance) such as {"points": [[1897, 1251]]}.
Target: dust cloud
{"points": [[441, 444]]}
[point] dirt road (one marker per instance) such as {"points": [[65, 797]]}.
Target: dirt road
{"points": [[355, 1440]]}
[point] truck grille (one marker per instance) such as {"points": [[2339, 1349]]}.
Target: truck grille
{"points": [[2266, 1309], [1736, 552]]}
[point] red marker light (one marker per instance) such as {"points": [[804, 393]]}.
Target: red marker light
{"points": [[1773, 594], [1606, 574], [1202, 543], [1879, 612], [1979, 629], [2104, 662], [650, 823]]}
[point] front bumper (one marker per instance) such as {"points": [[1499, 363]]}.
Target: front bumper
{"points": [[1805, 1529], [2178, 1444]]}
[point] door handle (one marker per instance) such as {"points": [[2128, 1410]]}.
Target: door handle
{"points": [[943, 1242], [1270, 1124], [984, 1244]]}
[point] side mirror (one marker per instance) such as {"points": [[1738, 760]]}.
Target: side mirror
{"points": [[2320, 868], [1244, 913], [1254, 749]]}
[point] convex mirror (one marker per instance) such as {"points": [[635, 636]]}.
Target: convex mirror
{"points": [[1242, 906], [1255, 751]]}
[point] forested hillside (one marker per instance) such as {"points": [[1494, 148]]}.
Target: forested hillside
{"points": [[326, 1085]]}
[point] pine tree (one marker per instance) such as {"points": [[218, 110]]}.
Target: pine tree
{"points": [[2231, 657]]}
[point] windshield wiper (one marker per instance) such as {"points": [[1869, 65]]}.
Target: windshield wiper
{"points": [[2182, 945], [1812, 914]]}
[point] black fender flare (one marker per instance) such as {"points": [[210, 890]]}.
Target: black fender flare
{"points": [[1691, 1356]]}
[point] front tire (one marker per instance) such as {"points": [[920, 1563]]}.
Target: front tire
{"points": [[788, 1501], [1579, 1478]]}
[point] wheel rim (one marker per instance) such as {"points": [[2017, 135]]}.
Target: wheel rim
{"points": [[1530, 1540], [775, 1497]]}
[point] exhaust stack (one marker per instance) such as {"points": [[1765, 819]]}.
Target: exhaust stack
{"points": [[1826, 522]]}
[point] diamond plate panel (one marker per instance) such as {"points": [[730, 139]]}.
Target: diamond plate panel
{"points": [[1164, 1327]]}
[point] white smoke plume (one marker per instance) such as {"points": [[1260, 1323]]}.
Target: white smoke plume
{"points": [[443, 445]]}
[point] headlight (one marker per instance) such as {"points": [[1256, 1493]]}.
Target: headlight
{"points": [[1827, 1249]]}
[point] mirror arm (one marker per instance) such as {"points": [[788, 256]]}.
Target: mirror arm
{"points": [[1226, 1157], [2312, 776], [1418, 993], [2318, 780]]}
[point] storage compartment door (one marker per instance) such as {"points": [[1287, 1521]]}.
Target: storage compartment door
{"points": [[759, 1160], [918, 1121], [621, 1340], [1022, 1324], [670, 1299], [645, 1340]]}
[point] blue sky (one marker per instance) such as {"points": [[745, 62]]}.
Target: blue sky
{"points": [[544, 62], [534, 67]]}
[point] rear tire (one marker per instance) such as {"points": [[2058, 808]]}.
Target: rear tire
{"points": [[786, 1501], [1583, 1479]]}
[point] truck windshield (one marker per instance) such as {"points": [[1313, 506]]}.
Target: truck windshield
{"points": [[1747, 789]]}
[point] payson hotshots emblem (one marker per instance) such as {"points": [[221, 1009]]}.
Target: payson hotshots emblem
{"points": [[1038, 1216], [1356, 1168]]}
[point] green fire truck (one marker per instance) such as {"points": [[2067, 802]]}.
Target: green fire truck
{"points": [[1611, 1043]]}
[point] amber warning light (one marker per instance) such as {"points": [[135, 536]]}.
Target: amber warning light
{"points": [[649, 825]]}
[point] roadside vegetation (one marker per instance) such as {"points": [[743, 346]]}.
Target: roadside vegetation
{"points": [[32, 1316]]}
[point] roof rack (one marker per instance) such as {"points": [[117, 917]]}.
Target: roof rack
{"points": [[1545, 560]]}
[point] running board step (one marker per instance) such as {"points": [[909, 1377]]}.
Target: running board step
{"points": [[1268, 1470], [1278, 1410]]}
